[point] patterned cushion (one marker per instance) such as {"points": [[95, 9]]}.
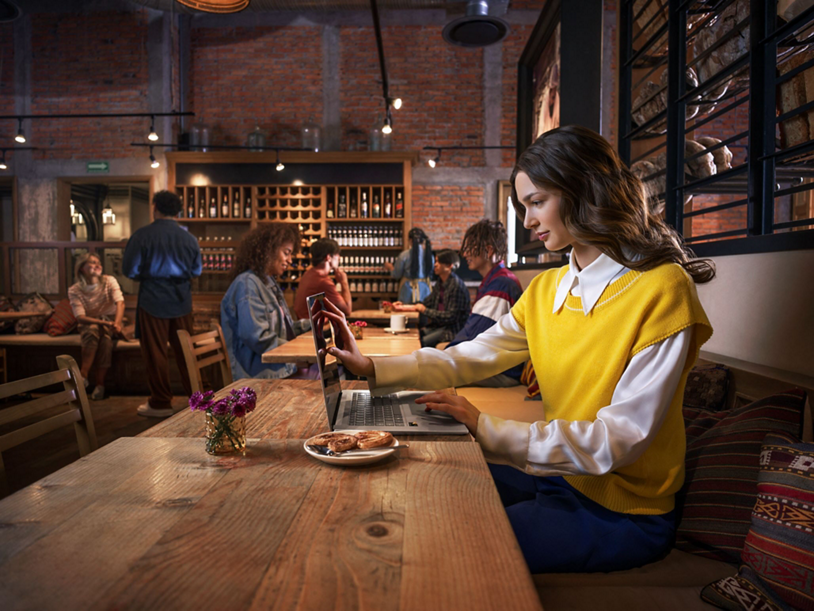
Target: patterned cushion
{"points": [[62, 321], [33, 302], [6, 306], [777, 570], [722, 468], [706, 387], [529, 378]]}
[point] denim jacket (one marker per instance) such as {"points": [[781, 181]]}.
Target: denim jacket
{"points": [[253, 314]]}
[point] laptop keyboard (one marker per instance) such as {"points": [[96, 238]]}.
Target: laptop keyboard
{"points": [[375, 411]]}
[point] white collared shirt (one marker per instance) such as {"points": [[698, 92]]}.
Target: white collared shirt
{"points": [[619, 434]]}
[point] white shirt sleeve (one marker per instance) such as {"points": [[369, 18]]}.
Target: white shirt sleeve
{"points": [[497, 349], [618, 436]]}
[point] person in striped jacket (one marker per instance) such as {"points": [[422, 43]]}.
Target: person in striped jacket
{"points": [[484, 248]]}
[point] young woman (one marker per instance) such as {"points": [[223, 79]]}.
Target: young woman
{"points": [[98, 305], [612, 337], [253, 312], [413, 268]]}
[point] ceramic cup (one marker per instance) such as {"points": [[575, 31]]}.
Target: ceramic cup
{"points": [[398, 322]]}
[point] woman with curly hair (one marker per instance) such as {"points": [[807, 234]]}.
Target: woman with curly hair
{"points": [[253, 312]]}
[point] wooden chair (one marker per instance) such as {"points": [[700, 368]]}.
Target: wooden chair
{"points": [[3, 367], [72, 397], [202, 350]]}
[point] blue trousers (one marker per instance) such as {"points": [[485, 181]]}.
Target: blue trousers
{"points": [[560, 530]]}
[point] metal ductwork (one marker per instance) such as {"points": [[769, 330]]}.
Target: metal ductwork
{"points": [[477, 28]]}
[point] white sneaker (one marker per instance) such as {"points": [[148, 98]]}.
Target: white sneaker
{"points": [[98, 393], [151, 412]]}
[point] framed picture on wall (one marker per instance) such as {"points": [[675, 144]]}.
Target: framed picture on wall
{"points": [[559, 81]]}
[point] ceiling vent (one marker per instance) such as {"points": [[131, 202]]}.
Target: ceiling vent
{"points": [[477, 28], [8, 11]]}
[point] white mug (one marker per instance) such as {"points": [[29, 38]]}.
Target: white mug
{"points": [[398, 322]]}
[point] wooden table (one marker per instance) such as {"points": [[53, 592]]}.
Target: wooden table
{"points": [[147, 523], [375, 342], [286, 409], [380, 317]]}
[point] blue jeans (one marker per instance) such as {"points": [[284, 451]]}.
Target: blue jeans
{"points": [[560, 530]]}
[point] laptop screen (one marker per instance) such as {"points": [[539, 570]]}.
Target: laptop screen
{"points": [[328, 367]]}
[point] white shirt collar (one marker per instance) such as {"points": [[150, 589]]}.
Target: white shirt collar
{"points": [[589, 283]]}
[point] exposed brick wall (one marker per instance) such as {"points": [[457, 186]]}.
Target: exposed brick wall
{"points": [[513, 46], [442, 86], [89, 63], [445, 212], [526, 5], [270, 75], [7, 78]]}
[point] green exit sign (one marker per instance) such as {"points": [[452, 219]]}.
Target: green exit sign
{"points": [[98, 167]]}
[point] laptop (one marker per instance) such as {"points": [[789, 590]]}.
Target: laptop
{"points": [[397, 413]]}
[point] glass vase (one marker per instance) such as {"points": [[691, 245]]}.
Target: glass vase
{"points": [[225, 434]]}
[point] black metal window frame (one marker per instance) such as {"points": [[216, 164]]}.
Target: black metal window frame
{"points": [[761, 165]]}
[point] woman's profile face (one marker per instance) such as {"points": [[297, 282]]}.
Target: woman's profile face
{"points": [[542, 212], [281, 259]]}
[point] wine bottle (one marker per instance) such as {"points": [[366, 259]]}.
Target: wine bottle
{"points": [[342, 211], [354, 210], [213, 208], [388, 206], [191, 207], [236, 205], [399, 205], [224, 207], [365, 210], [247, 209], [202, 208], [377, 207], [329, 212]]}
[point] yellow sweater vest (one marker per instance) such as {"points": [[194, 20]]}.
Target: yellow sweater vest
{"points": [[579, 360]]}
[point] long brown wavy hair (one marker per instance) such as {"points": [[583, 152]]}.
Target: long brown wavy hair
{"points": [[603, 204], [259, 245]]}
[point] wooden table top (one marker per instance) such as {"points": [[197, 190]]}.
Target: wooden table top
{"points": [[286, 409], [379, 315], [159, 524], [375, 342]]}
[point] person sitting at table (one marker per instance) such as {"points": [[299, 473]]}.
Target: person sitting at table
{"points": [[445, 311], [317, 279], [98, 305], [484, 248], [613, 336], [413, 268], [253, 312]]}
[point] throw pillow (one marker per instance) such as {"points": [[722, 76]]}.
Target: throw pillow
{"points": [[62, 321], [6, 306], [33, 302], [706, 387], [777, 562], [722, 468], [529, 378]]}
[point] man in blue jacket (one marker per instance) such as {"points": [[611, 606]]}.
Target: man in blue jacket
{"points": [[484, 248]]}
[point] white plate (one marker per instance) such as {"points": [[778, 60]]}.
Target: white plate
{"points": [[395, 331], [348, 459]]}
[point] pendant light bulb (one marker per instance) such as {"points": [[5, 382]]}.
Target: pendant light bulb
{"points": [[396, 103], [153, 161], [280, 167], [387, 128], [153, 137], [20, 137], [434, 160], [3, 165]]}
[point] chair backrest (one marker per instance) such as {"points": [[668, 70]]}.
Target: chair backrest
{"points": [[34, 423], [202, 350]]}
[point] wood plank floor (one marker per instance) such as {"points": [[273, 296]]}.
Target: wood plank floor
{"points": [[114, 417]]}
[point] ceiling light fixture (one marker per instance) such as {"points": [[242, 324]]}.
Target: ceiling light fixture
{"points": [[152, 137], [389, 102], [433, 162], [387, 128], [3, 165], [280, 167], [395, 103], [20, 137], [153, 161]]}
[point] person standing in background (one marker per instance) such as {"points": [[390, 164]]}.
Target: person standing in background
{"points": [[95, 298], [316, 279], [484, 248], [413, 268], [163, 258]]}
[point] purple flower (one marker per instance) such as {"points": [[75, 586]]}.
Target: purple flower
{"points": [[200, 401], [238, 403]]}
